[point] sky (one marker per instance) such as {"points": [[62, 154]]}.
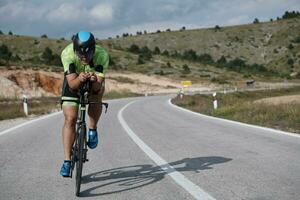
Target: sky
{"points": [[108, 18]]}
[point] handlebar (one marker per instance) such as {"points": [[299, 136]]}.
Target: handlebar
{"points": [[85, 87]]}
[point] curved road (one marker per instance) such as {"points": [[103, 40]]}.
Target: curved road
{"points": [[150, 149]]}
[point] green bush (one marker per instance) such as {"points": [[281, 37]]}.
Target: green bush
{"points": [[134, 49], [51, 59], [186, 69], [290, 61], [221, 62], [205, 58], [156, 51], [297, 39], [256, 21], [289, 15], [166, 53], [140, 60], [190, 55], [5, 54]]}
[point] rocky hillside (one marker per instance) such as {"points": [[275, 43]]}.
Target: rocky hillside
{"points": [[156, 62], [275, 45]]}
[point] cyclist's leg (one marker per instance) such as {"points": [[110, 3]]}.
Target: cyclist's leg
{"points": [[95, 110], [70, 109], [70, 114]]}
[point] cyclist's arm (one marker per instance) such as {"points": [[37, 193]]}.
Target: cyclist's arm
{"points": [[73, 79], [97, 84]]}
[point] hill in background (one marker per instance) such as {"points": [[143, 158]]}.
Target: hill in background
{"points": [[268, 51]]}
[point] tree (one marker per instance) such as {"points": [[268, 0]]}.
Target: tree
{"points": [[290, 46], [44, 36], [290, 61], [5, 54], [140, 60], [190, 55], [156, 51], [186, 69], [165, 53], [168, 30], [146, 53], [49, 58], [158, 31], [134, 48], [47, 55], [169, 65], [1, 33], [10, 33], [256, 21], [217, 27], [221, 62], [183, 28], [288, 15], [205, 58]]}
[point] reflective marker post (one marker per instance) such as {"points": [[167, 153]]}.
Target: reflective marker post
{"points": [[215, 102], [25, 104]]}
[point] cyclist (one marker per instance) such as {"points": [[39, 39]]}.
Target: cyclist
{"points": [[82, 60]]}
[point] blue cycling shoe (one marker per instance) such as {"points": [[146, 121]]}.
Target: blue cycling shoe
{"points": [[93, 138], [66, 168]]}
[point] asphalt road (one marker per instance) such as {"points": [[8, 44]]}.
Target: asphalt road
{"points": [[152, 150]]}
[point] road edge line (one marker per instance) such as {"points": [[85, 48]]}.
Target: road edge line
{"points": [[179, 178], [29, 122], [234, 122]]}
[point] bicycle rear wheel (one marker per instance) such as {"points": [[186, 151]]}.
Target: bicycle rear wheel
{"points": [[79, 160]]}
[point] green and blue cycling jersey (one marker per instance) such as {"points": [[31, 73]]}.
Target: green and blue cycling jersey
{"points": [[98, 65], [72, 64]]}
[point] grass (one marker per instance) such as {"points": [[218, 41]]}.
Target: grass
{"points": [[240, 106], [119, 94], [13, 108]]}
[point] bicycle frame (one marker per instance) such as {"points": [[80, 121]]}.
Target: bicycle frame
{"points": [[79, 150]]}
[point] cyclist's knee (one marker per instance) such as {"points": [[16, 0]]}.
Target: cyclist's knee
{"points": [[70, 121]]}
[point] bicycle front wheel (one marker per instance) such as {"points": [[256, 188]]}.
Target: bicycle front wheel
{"points": [[79, 160]]}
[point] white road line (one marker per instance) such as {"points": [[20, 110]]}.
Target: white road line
{"points": [[179, 178], [29, 122], [234, 122]]}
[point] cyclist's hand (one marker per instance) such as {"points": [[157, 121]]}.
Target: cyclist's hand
{"points": [[83, 76], [93, 76]]}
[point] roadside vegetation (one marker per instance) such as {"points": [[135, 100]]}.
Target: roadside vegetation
{"points": [[244, 107], [12, 108]]}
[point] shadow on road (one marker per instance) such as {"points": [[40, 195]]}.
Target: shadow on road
{"points": [[130, 177]]}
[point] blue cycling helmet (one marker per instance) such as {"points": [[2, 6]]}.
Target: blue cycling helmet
{"points": [[84, 44]]}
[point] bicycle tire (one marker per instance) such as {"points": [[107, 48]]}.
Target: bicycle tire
{"points": [[79, 160]]}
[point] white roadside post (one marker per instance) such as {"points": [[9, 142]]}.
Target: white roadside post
{"points": [[25, 104], [181, 93], [215, 102]]}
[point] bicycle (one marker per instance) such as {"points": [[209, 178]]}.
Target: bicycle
{"points": [[79, 149]]}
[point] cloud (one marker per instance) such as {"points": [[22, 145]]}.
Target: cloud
{"points": [[20, 10], [102, 13], [111, 17], [67, 12], [80, 14], [237, 20]]}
